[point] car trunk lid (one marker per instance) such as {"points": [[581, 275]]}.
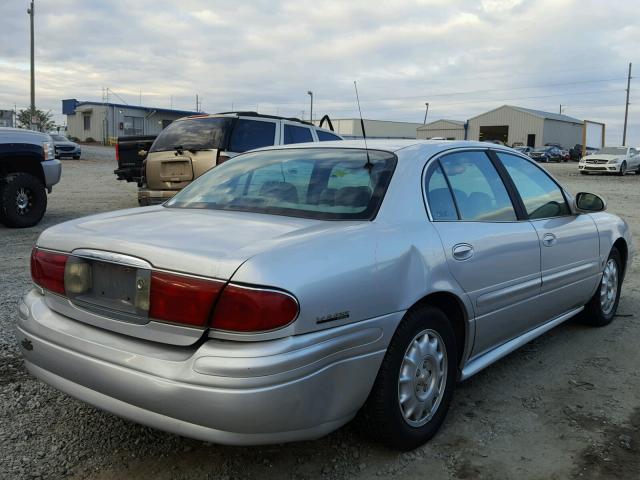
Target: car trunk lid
{"points": [[217, 244]]}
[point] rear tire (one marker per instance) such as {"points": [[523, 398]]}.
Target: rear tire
{"points": [[582, 172], [413, 390], [76, 157], [23, 200], [603, 305]]}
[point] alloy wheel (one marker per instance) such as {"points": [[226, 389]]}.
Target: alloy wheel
{"points": [[24, 200], [609, 287], [423, 377]]}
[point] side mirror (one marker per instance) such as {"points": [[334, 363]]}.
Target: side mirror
{"points": [[589, 202]]}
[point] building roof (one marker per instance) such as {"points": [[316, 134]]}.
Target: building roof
{"points": [[548, 115], [536, 113], [70, 105], [426, 126]]}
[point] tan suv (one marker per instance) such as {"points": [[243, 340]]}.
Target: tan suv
{"points": [[192, 145]]}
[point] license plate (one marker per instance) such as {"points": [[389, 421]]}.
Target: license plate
{"points": [[118, 291]]}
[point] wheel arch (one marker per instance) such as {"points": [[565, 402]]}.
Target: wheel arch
{"points": [[621, 245], [22, 163], [455, 310]]}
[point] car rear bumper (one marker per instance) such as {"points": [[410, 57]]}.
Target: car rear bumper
{"points": [[154, 197], [237, 393]]}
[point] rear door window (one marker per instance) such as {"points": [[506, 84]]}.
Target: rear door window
{"points": [[439, 196], [296, 134], [250, 134], [478, 190]]}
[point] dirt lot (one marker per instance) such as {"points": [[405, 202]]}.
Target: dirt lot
{"points": [[565, 406]]}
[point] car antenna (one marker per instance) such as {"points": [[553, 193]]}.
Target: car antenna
{"points": [[367, 165]]}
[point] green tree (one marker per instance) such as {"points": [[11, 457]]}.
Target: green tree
{"points": [[44, 124]]}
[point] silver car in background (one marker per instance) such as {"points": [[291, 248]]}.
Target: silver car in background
{"points": [[618, 160], [292, 289]]}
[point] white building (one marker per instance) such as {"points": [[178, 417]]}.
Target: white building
{"points": [[104, 122]]}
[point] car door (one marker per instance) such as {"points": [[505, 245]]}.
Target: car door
{"points": [[492, 255], [569, 244], [634, 159]]}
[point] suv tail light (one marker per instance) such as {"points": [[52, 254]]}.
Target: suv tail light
{"points": [[248, 309], [47, 270], [182, 299]]}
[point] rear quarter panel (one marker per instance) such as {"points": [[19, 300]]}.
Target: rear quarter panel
{"points": [[361, 269]]}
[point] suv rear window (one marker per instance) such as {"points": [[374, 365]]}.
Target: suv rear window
{"points": [[321, 183], [326, 136], [193, 134], [250, 134]]}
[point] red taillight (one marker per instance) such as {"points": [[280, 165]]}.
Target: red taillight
{"points": [[118, 154], [245, 309], [47, 270], [182, 299]]}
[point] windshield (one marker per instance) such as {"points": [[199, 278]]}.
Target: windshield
{"points": [[202, 133], [612, 151], [322, 183], [59, 138]]}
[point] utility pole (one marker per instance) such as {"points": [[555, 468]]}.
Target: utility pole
{"points": [[33, 78], [310, 93], [560, 112], [626, 108], [425, 113], [197, 103]]}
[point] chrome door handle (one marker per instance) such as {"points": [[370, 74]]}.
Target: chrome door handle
{"points": [[548, 239], [462, 251]]}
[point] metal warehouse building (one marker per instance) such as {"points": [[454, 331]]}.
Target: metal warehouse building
{"points": [[351, 128], [104, 122], [517, 125], [448, 129]]}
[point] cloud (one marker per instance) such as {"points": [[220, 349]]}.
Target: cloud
{"points": [[266, 55]]}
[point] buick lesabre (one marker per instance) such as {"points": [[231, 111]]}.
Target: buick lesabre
{"points": [[291, 289]]}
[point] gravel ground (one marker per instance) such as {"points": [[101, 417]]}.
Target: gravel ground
{"points": [[565, 406]]}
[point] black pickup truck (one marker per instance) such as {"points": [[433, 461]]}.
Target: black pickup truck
{"points": [[131, 152]]}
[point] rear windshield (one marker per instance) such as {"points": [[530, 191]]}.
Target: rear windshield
{"points": [[193, 134], [320, 183]]}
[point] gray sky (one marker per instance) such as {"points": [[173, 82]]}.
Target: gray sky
{"points": [[463, 57]]}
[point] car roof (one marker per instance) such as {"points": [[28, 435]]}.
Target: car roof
{"points": [[393, 145]]}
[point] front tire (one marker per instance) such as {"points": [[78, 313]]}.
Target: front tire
{"points": [[413, 390], [23, 200], [603, 305], [623, 169]]}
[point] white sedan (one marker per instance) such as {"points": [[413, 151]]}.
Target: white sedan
{"points": [[619, 160]]}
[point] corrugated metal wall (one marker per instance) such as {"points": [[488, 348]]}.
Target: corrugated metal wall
{"points": [[350, 127], [564, 133], [441, 128], [520, 124]]}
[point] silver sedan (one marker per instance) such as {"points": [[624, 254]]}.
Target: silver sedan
{"points": [[292, 289]]}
